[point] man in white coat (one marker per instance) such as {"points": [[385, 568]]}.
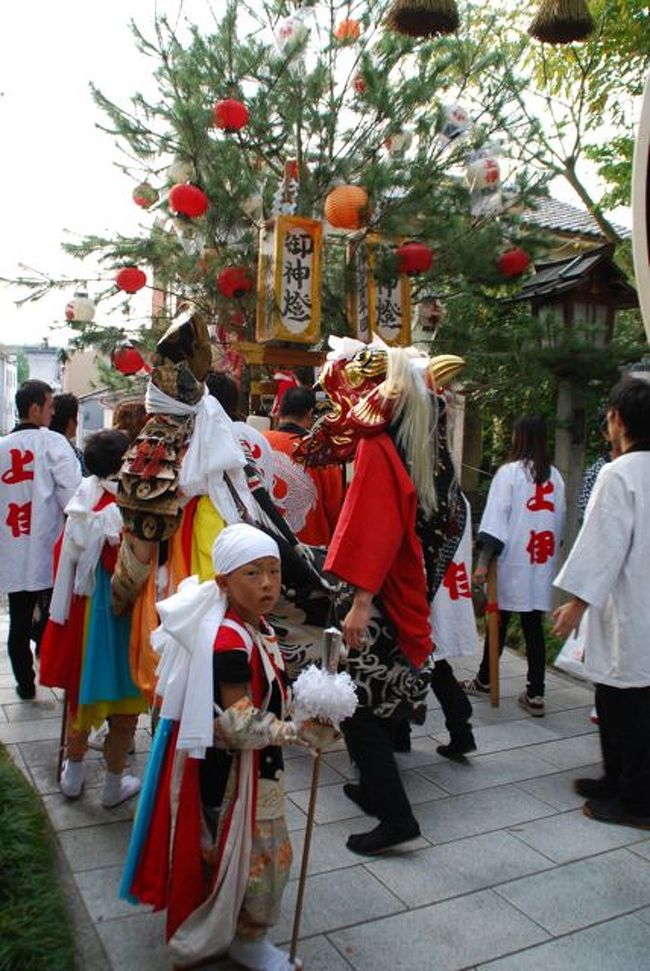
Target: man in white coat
{"points": [[39, 474], [607, 571]]}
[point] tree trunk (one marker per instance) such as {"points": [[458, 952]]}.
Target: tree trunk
{"points": [[570, 452]]}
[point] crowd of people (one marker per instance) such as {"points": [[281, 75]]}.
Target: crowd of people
{"points": [[154, 571]]}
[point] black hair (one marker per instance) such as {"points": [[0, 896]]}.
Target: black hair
{"points": [[226, 391], [66, 407], [297, 402], [32, 392], [529, 447], [103, 452], [630, 398]]}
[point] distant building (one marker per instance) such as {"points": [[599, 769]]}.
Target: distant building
{"points": [[8, 388], [44, 363]]}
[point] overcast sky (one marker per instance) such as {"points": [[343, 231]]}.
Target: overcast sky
{"points": [[57, 171]]}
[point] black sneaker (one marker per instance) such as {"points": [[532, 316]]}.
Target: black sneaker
{"points": [[383, 837], [357, 795], [26, 691], [594, 788], [457, 750], [613, 811]]}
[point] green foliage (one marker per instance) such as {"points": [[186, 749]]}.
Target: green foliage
{"points": [[35, 927]]}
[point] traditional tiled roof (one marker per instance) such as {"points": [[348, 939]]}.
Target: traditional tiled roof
{"points": [[556, 277], [561, 217]]}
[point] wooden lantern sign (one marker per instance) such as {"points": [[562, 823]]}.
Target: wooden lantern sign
{"points": [[289, 280], [377, 307]]}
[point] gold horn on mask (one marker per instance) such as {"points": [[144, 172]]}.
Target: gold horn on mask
{"points": [[444, 368]]}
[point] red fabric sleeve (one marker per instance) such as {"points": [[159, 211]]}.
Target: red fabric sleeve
{"points": [[371, 525]]}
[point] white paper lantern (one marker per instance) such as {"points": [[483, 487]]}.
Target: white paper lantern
{"points": [[454, 122], [483, 173], [81, 309], [398, 143], [291, 32]]}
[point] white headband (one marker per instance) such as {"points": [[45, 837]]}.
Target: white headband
{"points": [[239, 544]]}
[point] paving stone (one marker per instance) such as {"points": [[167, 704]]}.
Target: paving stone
{"points": [[486, 771], [571, 836], [622, 943], [328, 850], [557, 789], [507, 711], [478, 812], [103, 845], [570, 697], [318, 954], [40, 707], [642, 849], [643, 914], [298, 774], [568, 753], [582, 893], [85, 811], [98, 889], [136, 942], [330, 806], [450, 935], [510, 735], [568, 724], [45, 782], [295, 817], [30, 731], [358, 897], [456, 868]]}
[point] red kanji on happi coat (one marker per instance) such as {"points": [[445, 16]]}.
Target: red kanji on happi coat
{"points": [[19, 519], [541, 546], [457, 582], [538, 503], [19, 471]]}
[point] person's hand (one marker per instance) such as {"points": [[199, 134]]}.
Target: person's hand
{"points": [[317, 734], [566, 619], [355, 623], [479, 576]]}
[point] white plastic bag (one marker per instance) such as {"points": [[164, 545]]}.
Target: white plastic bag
{"points": [[571, 657]]}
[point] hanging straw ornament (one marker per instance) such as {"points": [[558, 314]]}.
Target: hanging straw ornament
{"points": [[423, 18], [561, 21]]}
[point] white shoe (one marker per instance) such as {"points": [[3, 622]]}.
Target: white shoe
{"points": [[97, 738], [261, 956], [72, 779], [118, 788]]}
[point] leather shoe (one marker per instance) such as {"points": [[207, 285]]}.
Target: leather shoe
{"points": [[457, 750], [26, 691], [613, 811], [383, 837]]}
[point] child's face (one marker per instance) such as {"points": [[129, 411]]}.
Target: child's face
{"points": [[253, 589]]}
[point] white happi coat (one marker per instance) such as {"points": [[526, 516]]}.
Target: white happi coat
{"points": [[452, 612], [608, 568], [39, 474], [257, 449], [529, 521]]}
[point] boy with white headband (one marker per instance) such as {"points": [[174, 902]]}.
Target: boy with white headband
{"points": [[231, 854]]}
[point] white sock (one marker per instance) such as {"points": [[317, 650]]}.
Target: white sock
{"points": [[72, 779], [261, 956], [119, 787]]}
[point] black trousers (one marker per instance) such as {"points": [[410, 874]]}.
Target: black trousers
{"points": [[456, 706], [370, 743], [533, 631], [23, 627], [624, 726]]}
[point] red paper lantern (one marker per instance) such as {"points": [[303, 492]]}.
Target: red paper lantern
{"points": [[144, 195], [346, 207], [231, 115], [131, 279], [513, 262], [358, 83], [235, 281], [127, 359], [414, 258], [348, 31], [188, 200]]}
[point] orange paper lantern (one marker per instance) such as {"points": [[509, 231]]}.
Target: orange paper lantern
{"points": [[346, 207], [348, 31]]}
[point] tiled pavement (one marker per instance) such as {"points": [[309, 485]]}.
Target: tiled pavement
{"points": [[508, 875]]}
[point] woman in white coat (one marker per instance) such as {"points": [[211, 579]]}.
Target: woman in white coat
{"points": [[522, 525]]}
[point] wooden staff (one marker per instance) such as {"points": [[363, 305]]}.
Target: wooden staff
{"points": [[492, 623], [305, 855], [64, 726]]}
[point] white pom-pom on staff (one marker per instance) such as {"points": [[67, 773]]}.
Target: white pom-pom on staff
{"points": [[322, 698]]}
